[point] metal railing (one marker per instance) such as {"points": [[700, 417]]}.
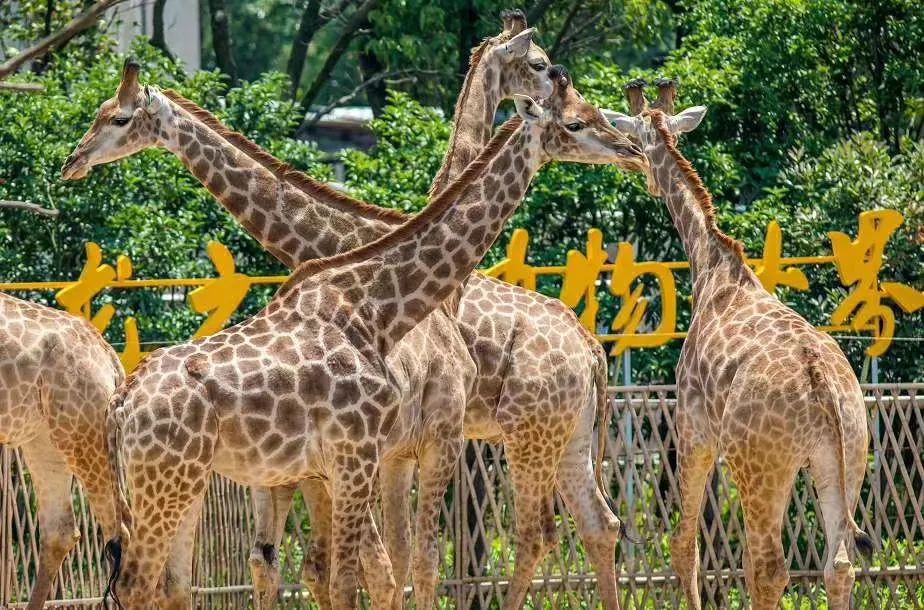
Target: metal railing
{"points": [[477, 533]]}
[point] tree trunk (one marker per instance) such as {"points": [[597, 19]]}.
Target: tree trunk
{"points": [[158, 39], [350, 28], [376, 95], [221, 38], [468, 37], [311, 22], [38, 66]]}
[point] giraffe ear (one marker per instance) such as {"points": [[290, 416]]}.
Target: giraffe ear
{"points": [[152, 100], [688, 120], [517, 46], [622, 122], [527, 108]]}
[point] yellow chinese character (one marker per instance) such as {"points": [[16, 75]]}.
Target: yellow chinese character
{"points": [[514, 269], [581, 274], [770, 271], [95, 276], [634, 306], [221, 296], [858, 264], [131, 355]]}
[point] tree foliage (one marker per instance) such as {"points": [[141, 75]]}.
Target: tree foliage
{"points": [[816, 112]]}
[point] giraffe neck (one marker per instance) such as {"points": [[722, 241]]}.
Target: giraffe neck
{"points": [[294, 224], [473, 119], [715, 259], [403, 277]]}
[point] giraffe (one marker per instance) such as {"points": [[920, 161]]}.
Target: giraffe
{"points": [[755, 382], [302, 389], [57, 376], [520, 340], [432, 366]]}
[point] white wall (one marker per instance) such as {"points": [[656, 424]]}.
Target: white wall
{"points": [[181, 26]]}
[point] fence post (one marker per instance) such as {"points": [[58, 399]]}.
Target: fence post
{"points": [[628, 431], [6, 529]]}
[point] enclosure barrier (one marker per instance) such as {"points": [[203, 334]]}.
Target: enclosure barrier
{"points": [[477, 532]]}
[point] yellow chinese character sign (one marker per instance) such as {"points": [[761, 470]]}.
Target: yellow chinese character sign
{"points": [[645, 291]]}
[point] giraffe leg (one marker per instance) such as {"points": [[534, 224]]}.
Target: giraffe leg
{"points": [[52, 480], [397, 477], [271, 508], [695, 460], [840, 532], [316, 564], [378, 579], [167, 469], [533, 485], [437, 461], [352, 496], [176, 580], [596, 524], [765, 495]]}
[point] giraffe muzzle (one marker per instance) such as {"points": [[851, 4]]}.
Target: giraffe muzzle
{"points": [[75, 167]]}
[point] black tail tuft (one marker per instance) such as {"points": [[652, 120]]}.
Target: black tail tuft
{"points": [[865, 544], [114, 555]]}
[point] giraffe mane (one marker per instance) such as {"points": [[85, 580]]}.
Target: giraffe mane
{"points": [[436, 206], [442, 176], [283, 170], [700, 192]]}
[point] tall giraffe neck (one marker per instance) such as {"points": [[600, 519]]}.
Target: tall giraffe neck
{"points": [[294, 217], [715, 258], [406, 275], [473, 118]]}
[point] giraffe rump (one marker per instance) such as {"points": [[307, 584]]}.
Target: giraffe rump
{"points": [[699, 190]]}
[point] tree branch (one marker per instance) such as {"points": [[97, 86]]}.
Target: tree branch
{"points": [[58, 39], [370, 82], [29, 207], [312, 21], [537, 11], [350, 28], [556, 46], [21, 87]]}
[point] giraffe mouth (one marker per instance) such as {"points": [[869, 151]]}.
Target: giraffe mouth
{"points": [[75, 168]]}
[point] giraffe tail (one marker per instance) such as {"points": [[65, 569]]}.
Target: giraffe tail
{"points": [[827, 396], [603, 419], [113, 547]]}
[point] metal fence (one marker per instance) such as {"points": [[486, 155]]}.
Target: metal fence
{"points": [[477, 531]]}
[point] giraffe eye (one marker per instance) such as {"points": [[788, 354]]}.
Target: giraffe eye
{"points": [[576, 126], [538, 66], [121, 121]]}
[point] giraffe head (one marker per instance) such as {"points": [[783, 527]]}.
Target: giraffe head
{"points": [[515, 64], [639, 126], [125, 124], [569, 128]]}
